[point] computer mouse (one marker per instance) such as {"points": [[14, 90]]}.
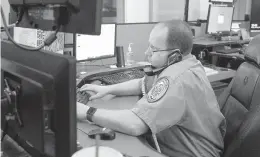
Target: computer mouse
{"points": [[105, 134], [241, 51]]}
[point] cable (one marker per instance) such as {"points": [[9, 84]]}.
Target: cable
{"points": [[19, 19], [156, 143], [48, 41]]}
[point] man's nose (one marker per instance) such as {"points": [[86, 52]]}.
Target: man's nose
{"points": [[148, 55], [147, 52]]}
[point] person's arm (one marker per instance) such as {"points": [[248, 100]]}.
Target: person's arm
{"points": [[155, 112], [124, 121], [132, 87]]}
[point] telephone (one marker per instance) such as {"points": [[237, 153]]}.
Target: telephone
{"points": [[173, 58]]}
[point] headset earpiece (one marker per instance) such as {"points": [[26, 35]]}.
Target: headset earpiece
{"points": [[174, 57]]}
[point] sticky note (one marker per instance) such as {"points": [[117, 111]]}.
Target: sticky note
{"points": [[220, 19]]}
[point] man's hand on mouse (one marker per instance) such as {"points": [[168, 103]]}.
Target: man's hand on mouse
{"points": [[81, 111], [99, 91]]}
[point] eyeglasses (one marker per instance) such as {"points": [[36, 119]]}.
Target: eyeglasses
{"points": [[153, 49]]}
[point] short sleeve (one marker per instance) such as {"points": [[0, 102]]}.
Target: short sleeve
{"points": [[164, 105]]}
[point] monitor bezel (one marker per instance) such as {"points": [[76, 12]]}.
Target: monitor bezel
{"points": [[209, 11], [64, 77], [102, 57], [86, 19]]}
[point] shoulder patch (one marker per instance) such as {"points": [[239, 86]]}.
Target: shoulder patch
{"points": [[158, 91]]}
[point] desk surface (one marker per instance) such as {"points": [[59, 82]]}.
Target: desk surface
{"points": [[230, 55], [222, 73], [129, 145], [210, 42]]}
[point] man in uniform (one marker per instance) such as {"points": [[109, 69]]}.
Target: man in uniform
{"points": [[178, 112]]}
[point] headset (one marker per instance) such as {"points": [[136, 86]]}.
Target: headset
{"points": [[173, 58]]}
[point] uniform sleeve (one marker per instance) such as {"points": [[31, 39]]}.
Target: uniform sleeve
{"points": [[164, 105]]}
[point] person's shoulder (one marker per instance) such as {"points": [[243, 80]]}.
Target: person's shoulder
{"points": [[174, 74], [170, 81]]}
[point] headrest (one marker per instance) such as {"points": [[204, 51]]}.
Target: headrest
{"points": [[252, 52]]}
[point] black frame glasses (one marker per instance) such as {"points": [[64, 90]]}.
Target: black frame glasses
{"points": [[151, 47]]}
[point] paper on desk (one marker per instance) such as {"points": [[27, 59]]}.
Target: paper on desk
{"points": [[210, 71], [34, 38], [25, 36], [143, 63]]}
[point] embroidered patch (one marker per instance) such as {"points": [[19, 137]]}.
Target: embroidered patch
{"points": [[158, 90]]}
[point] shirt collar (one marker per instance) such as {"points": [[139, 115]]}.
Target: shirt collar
{"points": [[177, 69]]}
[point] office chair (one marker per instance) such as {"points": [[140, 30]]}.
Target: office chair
{"points": [[240, 104]]}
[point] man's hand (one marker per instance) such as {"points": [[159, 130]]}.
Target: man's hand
{"points": [[82, 111], [100, 91]]}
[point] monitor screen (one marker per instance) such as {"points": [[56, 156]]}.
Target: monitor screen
{"points": [[89, 47], [140, 43], [219, 19]]}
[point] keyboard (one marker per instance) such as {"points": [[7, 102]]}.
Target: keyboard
{"points": [[228, 51], [109, 79], [120, 77], [82, 96]]}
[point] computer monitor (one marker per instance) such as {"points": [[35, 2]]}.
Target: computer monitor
{"points": [[255, 20], [89, 47], [219, 19], [140, 43], [45, 87], [74, 16]]}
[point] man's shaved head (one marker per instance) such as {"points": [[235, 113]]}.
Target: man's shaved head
{"points": [[167, 36], [177, 34]]}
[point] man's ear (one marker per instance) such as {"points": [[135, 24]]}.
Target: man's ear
{"points": [[174, 57]]}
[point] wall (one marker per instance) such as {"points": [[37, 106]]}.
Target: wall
{"points": [[6, 7], [198, 9], [136, 11], [162, 10], [240, 9]]}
